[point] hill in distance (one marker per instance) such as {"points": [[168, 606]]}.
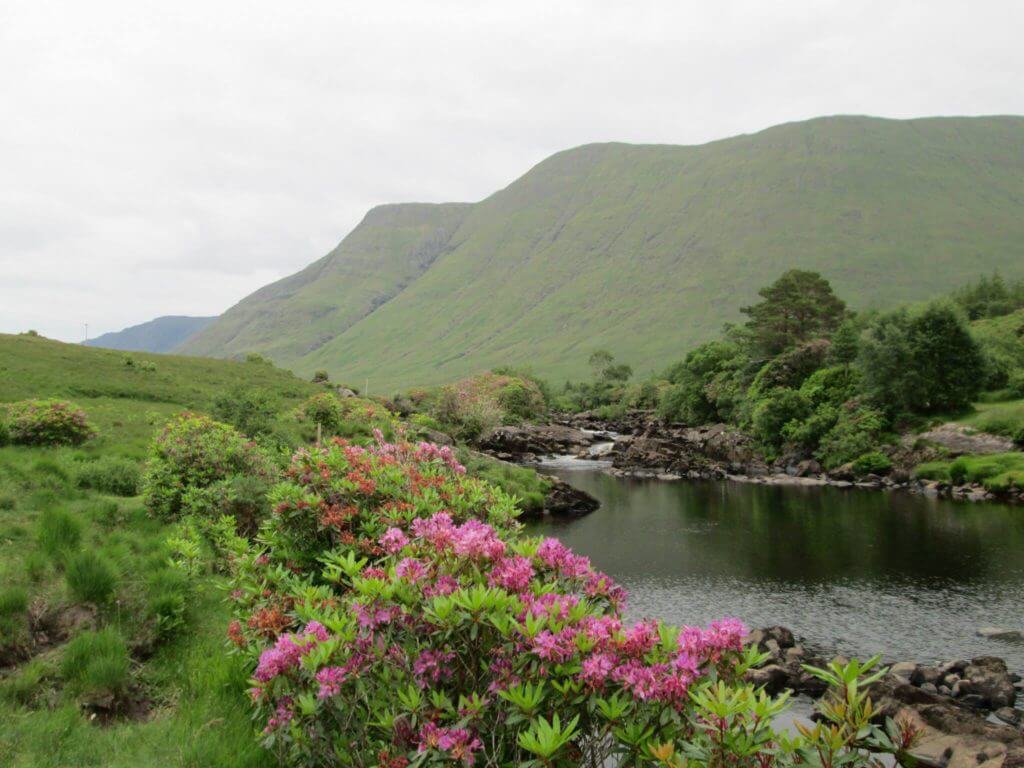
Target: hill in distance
{"points": [[129, 404], [160, 335], [645, 250]]}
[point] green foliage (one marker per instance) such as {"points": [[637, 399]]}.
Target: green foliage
{"points": [[47, 422], [472, 407], [321, 376], [796, 308], [857, 431], [706, 386], [921, 363], [773, 412], [110, 474], [528, 487], [90, 578], [195, 452], [59, 532], [251, 411], [96, 664], [990, 297], [792, 367], [167, 593], [872, 463], [1015, 383]]}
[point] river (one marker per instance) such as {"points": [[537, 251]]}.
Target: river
{"points": [[858, 572]]}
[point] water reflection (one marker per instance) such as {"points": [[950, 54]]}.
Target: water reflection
{"points": [[904, 575]]}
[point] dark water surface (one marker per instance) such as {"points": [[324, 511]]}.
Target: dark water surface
{"points": [[861, 572]]}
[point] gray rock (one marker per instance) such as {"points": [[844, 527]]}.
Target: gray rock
{"points": [[929, 688], [1009, 715], [904, 669], [998, 633], [926, 675]]}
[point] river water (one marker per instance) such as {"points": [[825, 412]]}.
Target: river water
{"points": [[858, 572]]}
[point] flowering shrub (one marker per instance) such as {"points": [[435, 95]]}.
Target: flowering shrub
{"points": [[47, 422], [349, 417], [474, 406], [393, 617], [193, 454]]}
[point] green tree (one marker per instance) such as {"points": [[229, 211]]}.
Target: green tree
{"points": [[797, 307], [250, 411], [921, 363]]}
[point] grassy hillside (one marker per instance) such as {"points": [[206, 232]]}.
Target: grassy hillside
{"points": [[160, 335], [389, 249], [647, 250], [128, 403]]}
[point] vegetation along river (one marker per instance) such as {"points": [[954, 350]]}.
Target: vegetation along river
{"points": [[860, 572]]}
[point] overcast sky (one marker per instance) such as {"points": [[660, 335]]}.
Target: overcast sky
{"points": [[171, 157]]}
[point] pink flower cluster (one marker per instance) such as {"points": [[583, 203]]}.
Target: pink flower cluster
{"points": [[394, 540], [288, 650], [431, 667], [472, 539], [458, 742]]}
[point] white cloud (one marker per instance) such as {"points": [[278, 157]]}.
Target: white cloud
{"points": [[169, 158]]}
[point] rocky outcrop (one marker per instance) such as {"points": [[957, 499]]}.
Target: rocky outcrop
{"points": [[529, 442], [564, 500], [959, 439]]}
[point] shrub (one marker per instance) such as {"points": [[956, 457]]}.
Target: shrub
{"points": [[857, 431], [195, 452], [48, 422], [243, 497], [777, 409], [110, 474], [873, 463], [59, 532], [474, 406], [321, 377], [5, 428], [353, 418], [90, 578], [1015, 382], [96, 664], [250, 411], [381, 630]]}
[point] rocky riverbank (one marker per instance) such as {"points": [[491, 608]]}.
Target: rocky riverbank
{"points": [[645, 447], [963, 709]]}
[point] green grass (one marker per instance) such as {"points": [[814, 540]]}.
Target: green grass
{"points": [[127, 404], [96, 662], [645, 251], [1001, 418], [90, 578], [997, 472]]}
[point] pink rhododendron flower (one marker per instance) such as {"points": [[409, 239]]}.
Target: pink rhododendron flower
{"points": [[394, 540]]}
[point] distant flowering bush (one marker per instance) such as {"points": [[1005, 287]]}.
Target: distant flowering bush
{"points": [[46, 422], [348, 417], [393, 616], [193, 461], [472, 407]]}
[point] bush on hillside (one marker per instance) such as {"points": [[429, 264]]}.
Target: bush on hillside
{"points": [[353, 418], [472, 407], [110, 474], [251, 411], [391, 616], [47, 422], [872, 463], [195, 452], [858, 430], [773, 412], [706, 386]]}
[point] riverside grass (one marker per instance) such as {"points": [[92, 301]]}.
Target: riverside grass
{"points": [[645, 251], [61, 537]]}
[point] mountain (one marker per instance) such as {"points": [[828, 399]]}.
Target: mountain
{"points": [[160, 335], [645, 250]]}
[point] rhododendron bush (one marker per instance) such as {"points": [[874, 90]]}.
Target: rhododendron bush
{"points": [[394, 616]]}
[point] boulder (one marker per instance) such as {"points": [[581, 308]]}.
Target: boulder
{"points": [[998, 633], [564, 500], [987, 678]]}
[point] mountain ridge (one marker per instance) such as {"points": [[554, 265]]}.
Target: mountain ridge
{"points": [[648, 249], [161, 334]]}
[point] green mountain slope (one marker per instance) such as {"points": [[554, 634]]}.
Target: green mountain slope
{"points": [[285, 320], [647, 250], [160, 335]]}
